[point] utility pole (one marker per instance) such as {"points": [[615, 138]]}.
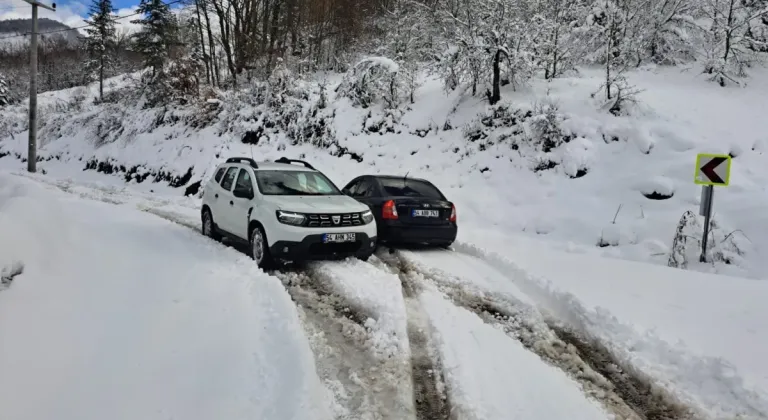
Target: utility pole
{"points": [[32, 147]]}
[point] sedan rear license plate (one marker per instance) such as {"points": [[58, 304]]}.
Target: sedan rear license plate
{"points": [[425, 213], [338, 237]]}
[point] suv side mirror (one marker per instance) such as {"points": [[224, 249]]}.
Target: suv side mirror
{"points": [[248, 195]]}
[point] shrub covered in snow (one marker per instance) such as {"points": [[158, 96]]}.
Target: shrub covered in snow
{"points": [[722, 246], [5, 93], [538, 128], [373, 79]]}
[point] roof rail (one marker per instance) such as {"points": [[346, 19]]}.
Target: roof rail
{"points": [[289, 161], [243, 160]]}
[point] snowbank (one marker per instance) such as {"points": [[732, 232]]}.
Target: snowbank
{"points": [[701, 336], [120, 314]]}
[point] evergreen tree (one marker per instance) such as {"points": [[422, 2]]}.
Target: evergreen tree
{"points": [[159, 32], [100, 41]]}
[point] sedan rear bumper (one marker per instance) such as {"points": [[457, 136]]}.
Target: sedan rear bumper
{"points": [[397, 233]]}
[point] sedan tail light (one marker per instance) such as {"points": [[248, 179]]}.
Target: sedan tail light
{"points": [[389, 211]]}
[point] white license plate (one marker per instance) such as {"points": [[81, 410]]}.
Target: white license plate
{"points": [[339, 237], [426, 213]]}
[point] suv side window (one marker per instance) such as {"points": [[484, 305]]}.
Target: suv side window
{"points": [[243, 183], [229, 178], [219, 174]]}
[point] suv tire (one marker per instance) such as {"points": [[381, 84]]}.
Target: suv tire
{"points": [[259, 250], [208, 226]]}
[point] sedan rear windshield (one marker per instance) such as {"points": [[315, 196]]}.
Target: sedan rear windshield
{"points": [[294, 183], [404, 187]]}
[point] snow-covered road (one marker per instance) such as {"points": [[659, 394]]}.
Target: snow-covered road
{"points": [[149, 319]]}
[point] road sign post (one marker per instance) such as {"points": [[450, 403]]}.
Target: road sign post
{"points": [[711, 171]]}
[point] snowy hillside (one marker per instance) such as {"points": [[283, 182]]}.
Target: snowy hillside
{"points": [[585, 187]]}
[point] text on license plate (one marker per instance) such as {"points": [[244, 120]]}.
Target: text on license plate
{"points": [[339, 237], [425, 213]]}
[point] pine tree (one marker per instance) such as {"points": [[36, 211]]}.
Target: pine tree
{"points": [[100, 40], [159, 32]]}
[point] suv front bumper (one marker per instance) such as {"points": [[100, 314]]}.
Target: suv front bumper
{"points": [[313, 248]]}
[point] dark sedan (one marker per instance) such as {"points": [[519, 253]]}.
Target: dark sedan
{"points": [[407, 210]]}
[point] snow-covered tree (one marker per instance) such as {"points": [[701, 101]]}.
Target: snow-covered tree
{"points": [[613, 35], [409, 41], [487, 43], [554, 42], [730, 43], [158, 34], [100, 40], [670, 34]]}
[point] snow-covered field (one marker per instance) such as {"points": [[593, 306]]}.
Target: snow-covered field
{"points": [[526, 273]]}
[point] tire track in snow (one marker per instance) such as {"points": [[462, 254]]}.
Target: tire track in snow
{"points": [[623, 392], [365, 387], [429, 390]]}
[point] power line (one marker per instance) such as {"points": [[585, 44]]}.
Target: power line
{"points": [[84, 26]]}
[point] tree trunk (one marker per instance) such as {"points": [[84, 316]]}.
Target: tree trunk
{"points": [[273, 35], [202, 43], [211, 48], [495, 84], [101, 77], [555, 56], [225, 41]]}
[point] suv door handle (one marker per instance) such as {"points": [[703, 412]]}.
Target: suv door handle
{"points": [[231, 203]]}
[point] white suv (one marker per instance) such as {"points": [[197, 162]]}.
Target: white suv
{"points": [[285, 212]]}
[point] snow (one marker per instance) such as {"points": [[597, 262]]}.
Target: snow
{"points": [[376, 291], [467, 271], [700, 335], [484, 371], [390, 65], [121, 314], [566, 237], [655, 149]]}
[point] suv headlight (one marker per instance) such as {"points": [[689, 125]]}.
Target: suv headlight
{"points": [[290, 218], [367, 216]]}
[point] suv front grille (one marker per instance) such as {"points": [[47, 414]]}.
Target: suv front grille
{"points": [[327, 220]]}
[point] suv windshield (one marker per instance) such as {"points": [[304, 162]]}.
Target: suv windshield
{"points": [[295, 183], [404, 187]]}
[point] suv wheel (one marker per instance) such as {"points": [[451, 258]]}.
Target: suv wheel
{"points": [[209, 228], [259, 248]]}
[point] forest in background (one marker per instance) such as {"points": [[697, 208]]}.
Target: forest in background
{"points": [[475, 45]]}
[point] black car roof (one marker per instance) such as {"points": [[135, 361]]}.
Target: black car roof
{"points": [[397, 177]]}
